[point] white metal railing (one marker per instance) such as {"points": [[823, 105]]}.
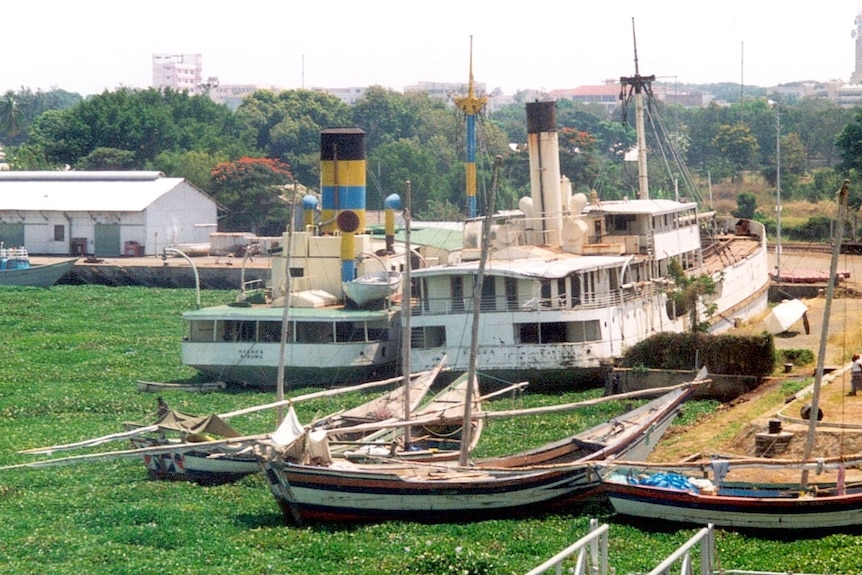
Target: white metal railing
{"points": [[592, 556], [591, 550], [499, 303], [683, 555], [13, 253]]}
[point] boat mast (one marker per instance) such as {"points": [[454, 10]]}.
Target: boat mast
{"points": [[467, 420], [824, 334], [639, 84], [406, 304], [471, 105], [285, 331]]}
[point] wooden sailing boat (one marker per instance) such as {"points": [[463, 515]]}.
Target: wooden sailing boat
{"points": [[683, 494], [208, 450], [553, 477]]}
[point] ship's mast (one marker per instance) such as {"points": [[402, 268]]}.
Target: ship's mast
{"points": [[638, 84], [471, 105]]}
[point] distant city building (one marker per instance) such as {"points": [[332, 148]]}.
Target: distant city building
{"points": [[607, 94], [178, 72], [184, 72], [445, 91], [232, 95], [856, 76], [497, 101], [849, 96], [681, 97], [347, 95]]}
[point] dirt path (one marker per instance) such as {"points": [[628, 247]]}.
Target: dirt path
{"points": [[732, 429]]}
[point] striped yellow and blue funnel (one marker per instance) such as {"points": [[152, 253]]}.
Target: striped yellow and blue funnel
{"points": [[342, 185]]}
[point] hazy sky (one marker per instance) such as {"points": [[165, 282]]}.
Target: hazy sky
{"points": [[93, 45]]}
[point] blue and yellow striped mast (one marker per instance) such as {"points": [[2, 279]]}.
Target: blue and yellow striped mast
{"points": [[471, 105]]}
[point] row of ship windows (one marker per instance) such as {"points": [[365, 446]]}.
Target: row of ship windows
{"points": [[347, 332]]}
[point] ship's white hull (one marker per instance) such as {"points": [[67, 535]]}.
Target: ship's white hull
{"points": [[256, 364], [742, 292]]}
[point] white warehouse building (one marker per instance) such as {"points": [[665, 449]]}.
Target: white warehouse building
{"points": [[105, 214]]}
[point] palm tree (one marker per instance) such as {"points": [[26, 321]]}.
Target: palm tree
{"points": [[688, 292], [11, 115]]}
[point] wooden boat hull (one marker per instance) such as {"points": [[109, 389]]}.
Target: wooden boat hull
{"points": [[205, 467], [781, 511], [339, 494], [38, 275], [156, 386], [554, 477]]}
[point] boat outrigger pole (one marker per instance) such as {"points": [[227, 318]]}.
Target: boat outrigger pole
{"points": [[467, 419], [824, 335]]}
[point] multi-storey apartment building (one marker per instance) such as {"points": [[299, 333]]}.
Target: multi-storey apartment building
{"points": [[178, 72]]}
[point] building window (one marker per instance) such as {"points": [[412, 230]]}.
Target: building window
{"points": [[59, 233]]}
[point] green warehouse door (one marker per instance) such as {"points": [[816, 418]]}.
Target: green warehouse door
{"points": [[108, 241], [12, 235]]}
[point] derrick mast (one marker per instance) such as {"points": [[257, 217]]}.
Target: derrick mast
{"points": [[471, 105]]}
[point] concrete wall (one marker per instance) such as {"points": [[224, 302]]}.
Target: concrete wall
{"points": [[182, 216], [723, 387]]}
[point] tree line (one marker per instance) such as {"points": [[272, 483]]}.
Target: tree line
{"points": [[247, 158]]}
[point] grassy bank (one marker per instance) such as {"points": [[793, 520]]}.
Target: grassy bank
{"points": [[70, 358]]}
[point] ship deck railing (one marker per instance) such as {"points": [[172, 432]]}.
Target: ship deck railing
{"points": [[501, 303]]}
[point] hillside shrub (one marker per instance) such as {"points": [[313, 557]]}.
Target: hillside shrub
{"points": [[724, 354]]}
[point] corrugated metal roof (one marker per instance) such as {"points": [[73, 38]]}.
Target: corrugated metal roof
{"points": [[83, 191], [449, 237]]}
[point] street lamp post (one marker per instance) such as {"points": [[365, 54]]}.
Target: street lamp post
{"points": [[775, 105], [165, 253], [778, 192]]}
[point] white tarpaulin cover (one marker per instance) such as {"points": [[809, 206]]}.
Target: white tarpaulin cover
{"points": [[784, 315]]}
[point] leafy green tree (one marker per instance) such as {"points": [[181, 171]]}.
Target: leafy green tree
{"points": [[823, 182], [107, 159], [405, 160], [701, 125], [385, 115], [59, 137], [746, 206], [18, 110], [850, 144], [252, 190], [28, 158], [143, 122], [196, 166], [286, 126], [510, 119], [794, 163], [818, 122], [737, 144], [578, 160]]}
